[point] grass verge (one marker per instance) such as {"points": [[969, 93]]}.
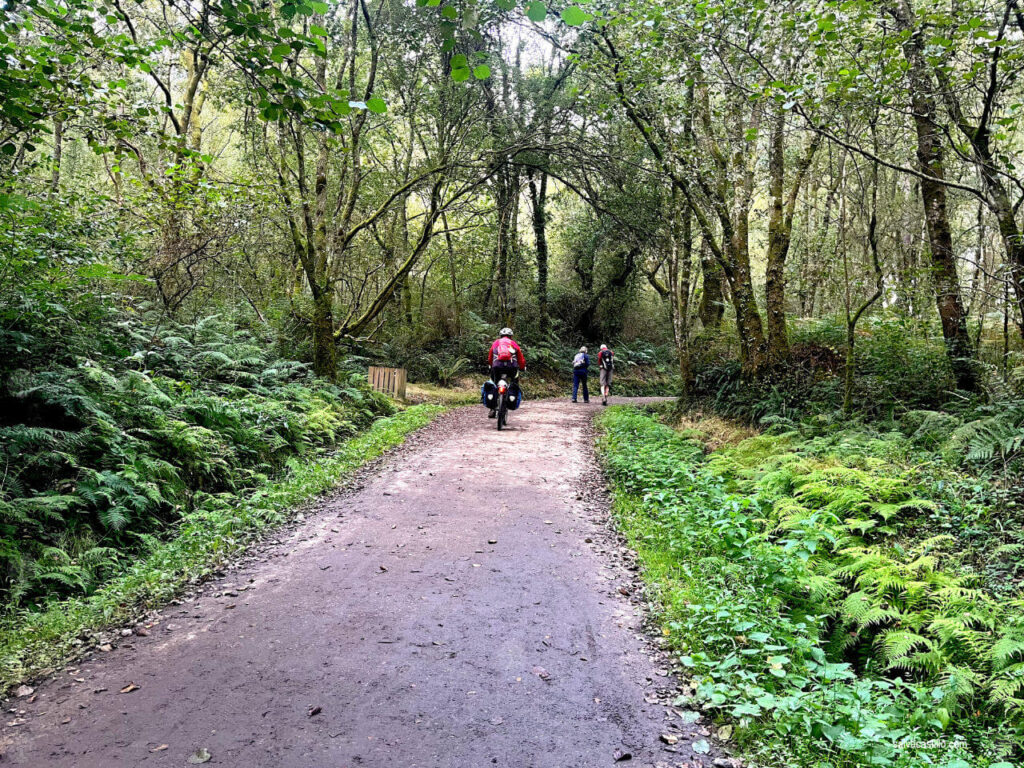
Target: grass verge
{"points": [[793, 595], [33, 642]]}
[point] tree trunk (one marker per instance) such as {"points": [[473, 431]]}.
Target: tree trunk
{"points": [[753, 347], [950, 304], [506, 200], [538, 198], [325, 353], [679, 280], [712, 298], [58, 151], [778, 246], [780, 235]]}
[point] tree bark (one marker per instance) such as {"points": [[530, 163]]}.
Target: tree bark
{"points": [[538, 199], [58, 151], [712, 298], [780, 234], [325, 353], [679, 280], [948, 299]]}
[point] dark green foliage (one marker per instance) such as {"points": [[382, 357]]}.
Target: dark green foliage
{"points": [[900, 364], [101, 451], [805, 589]]}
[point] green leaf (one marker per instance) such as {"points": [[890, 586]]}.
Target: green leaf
{"points": [[536, 11], [377, 105], [460, 75], [574, 16], [482, 72], [281, 49], [506, 5], [459, 61], [449, 12], [319, 7]]}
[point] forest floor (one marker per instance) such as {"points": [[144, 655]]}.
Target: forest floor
{"points": [[467, 603]]}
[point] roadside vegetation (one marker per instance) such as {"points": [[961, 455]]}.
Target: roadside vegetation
{"points": [[845, 593]]}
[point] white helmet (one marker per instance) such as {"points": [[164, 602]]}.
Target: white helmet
{"points": [[505, 332]]}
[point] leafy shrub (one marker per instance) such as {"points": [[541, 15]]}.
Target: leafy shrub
{"points": [[802, 607], [102, 451]]}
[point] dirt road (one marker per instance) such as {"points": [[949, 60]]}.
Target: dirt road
{"points": [[462, 607]]}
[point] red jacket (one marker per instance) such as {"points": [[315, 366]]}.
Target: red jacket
{"points": [[516, 358]]}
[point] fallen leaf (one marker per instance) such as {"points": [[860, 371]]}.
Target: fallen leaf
{"points": [[497, 720], [23, 691], [669, 738], [65, 721], [106, 647], [621, 757], [129, 688], [201, 755], [161, 748], [725, 732], [382, 569], [314, 711], [701, 746], [492, 541]]}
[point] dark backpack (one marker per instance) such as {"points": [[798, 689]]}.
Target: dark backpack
{"points": [[604, 357]]}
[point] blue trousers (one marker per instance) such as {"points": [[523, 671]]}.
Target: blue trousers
{"points": [[580, 377]]}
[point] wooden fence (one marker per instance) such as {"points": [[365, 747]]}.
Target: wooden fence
{"points": [[390, 381]]}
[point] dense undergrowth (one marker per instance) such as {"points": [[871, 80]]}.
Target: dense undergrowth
{"points": [[104, 452], [841, 592], [900, 364]]}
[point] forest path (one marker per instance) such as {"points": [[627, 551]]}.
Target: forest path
{"points": [[459, 608]]}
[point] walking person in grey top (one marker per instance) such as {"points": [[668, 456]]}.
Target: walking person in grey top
{"points": [[580, 364]]}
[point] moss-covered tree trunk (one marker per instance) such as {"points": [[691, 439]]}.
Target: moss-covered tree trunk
{"points": [[538, 199], [948, 299]]}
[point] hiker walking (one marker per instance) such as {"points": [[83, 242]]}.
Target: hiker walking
{"points": [[580, 365], [605, 365]]}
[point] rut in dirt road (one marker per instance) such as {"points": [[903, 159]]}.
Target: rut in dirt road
{"points": [[462, 608]]}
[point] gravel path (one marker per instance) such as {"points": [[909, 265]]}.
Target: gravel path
{"points": [[465, 605]]}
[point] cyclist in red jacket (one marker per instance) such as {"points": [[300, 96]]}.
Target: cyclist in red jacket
{"points": [[505, 358]]}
